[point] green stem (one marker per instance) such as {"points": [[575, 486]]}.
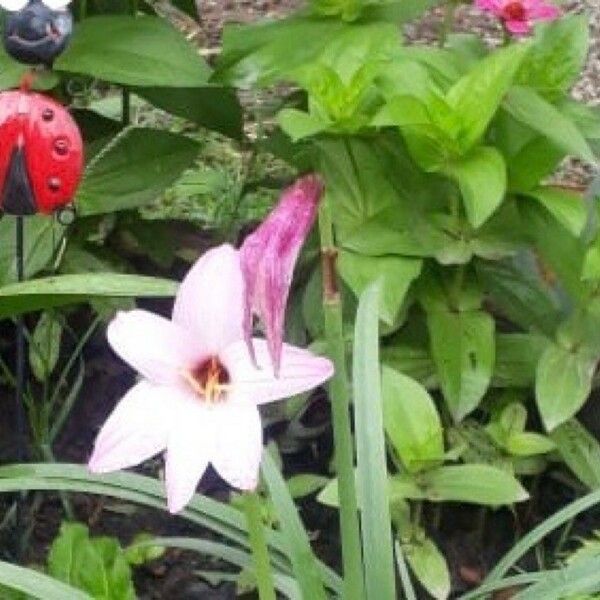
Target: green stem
{"points": [[258, 544], [339, 392]]}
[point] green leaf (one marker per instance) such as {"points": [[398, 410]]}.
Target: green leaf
{"points": [[528, 107], [429, 566], [557, 56], [591, 262], [37, 584], [134, 170], [411, 421], [580, 450], [563, 383], [517, 356], [41, 235], [44, 349], [479, 484], [62, 290], [521, 294], [301, 555], [477, 96], [216, 108], [141, 51], [143, 550], [481, 176], [95, 565], [397, 274], [580, 577], [567, 207], [528, 443], [305, 484], [299, 125], [371, 467], [462, 346]]}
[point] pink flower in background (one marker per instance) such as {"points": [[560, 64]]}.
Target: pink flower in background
{"points": [[268, 257], [519, 16], [199, 391]]}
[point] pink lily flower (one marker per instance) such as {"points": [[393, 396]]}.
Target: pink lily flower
{"points": [[519, 16], [200, 390], [268, 257]]}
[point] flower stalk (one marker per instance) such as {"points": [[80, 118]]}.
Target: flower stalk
{"points": [[340, 408], [258, 544]]}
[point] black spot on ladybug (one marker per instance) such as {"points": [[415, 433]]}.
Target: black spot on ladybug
{"points": [[61, 146], [37, 34], [17, 195], [54, 184], [48, 114]]}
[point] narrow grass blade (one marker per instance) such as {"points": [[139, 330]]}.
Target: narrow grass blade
{"points": [[371, 467], [299, 550], [37, 584]]}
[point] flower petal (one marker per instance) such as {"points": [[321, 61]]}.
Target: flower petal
{"points": [[154, 346], [238, 444], [518, 27], [56, 4], [494, 6], [189, 449], [210, 299], [268, 257], [544, 12], [300, 371], [136, 429]]}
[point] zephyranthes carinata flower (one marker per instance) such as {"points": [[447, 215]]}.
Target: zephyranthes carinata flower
{"points": [[200, 389]]}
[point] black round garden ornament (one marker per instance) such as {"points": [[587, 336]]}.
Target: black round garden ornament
{"points": [[37, 31]]}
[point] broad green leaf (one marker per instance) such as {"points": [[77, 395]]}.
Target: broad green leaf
{"points": [[477, 96], [411, 421], [533, 162], [517, 356], [37, 585], [62, 290], [462, 346], [44, 348], [305, 484], [143, 549], [479, 484], [557, 56], [481, 176], [397, 274], [371, 466], [567, 207], [216, 108], [530, 108], [298, 124], [563, 383], [580, 450], [41, 238], [301, 555], [138, 51], [429, 566], [95, 565], [134, 170]]}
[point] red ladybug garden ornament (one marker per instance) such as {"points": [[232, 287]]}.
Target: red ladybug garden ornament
{"points": [[41, 154]]}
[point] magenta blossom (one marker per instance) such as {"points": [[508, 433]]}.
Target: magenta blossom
{"points": [[199, 391], [519, 16], [268, 257]]}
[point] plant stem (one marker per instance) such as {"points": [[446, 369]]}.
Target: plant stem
{"points": [[258, 544], [340, 409]]}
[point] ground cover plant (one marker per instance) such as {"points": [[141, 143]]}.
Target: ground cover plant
{"points": [[326, 323]]}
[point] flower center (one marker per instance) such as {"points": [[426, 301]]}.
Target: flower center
{"points": [[210, 380], [514, 11]]}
